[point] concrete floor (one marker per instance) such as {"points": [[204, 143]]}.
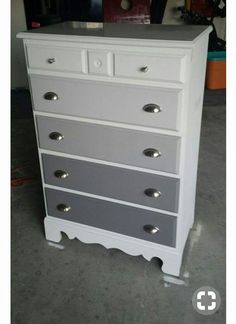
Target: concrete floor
{"points": [[83, 284]]}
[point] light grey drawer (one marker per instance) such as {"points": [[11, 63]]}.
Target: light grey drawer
{"points": [[111, 216], [113, 182], [106, 101], [109, 143]]}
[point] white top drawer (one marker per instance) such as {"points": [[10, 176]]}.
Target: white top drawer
{"points": [[154, 64], [161, 67], [55, 58]]}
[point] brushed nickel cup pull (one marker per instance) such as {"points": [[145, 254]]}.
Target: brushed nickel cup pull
{"points": [[151, 229], [51, 60], [152, 193], [152, 108], [51, 96], [152, 153], [144, 69], [61, 174], [56, 136], [63, 208]]}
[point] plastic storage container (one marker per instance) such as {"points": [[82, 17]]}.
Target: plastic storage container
{"points": [[216, 70]]}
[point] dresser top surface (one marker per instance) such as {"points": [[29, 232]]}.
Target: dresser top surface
{"points": [[182, 33]]}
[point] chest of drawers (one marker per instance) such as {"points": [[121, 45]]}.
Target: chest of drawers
{"points": [[117, 111]]}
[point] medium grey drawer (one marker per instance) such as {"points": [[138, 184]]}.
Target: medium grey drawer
{"points": [[111, 216], [109, 143], [113, 182], [106, 101]]}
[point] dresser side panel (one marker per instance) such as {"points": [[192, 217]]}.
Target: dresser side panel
{"points": [[192, 126]]}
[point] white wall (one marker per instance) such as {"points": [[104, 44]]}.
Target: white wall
{"points": [[18, 23]]}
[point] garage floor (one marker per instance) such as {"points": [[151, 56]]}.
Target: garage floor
{"points": [[76, 283]]}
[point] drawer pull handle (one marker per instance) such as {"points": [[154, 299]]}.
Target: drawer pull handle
{"points": [[51, 60], [152, 193], [151, 229], [56, 136], [51, 96], [61, 174], [63, 208], [151, 152], [144, 69], [152, 108]]}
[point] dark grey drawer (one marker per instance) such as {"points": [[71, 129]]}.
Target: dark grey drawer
{"points": [[112, 216], [110, 143], [109, 181]]}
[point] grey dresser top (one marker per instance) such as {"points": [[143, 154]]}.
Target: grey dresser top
{"points": [[183, 33]]}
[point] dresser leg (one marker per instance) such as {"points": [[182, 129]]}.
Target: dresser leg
{"points": [[172, 264], [52, 232]]}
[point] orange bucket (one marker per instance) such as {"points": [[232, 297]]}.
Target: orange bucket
{"points": [[216, 70]]}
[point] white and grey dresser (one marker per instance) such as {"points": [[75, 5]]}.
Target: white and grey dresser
{"points": [[117, 111]]}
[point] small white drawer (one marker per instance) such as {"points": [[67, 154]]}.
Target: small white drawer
{"points": [[55, 58], [158, 67]]}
